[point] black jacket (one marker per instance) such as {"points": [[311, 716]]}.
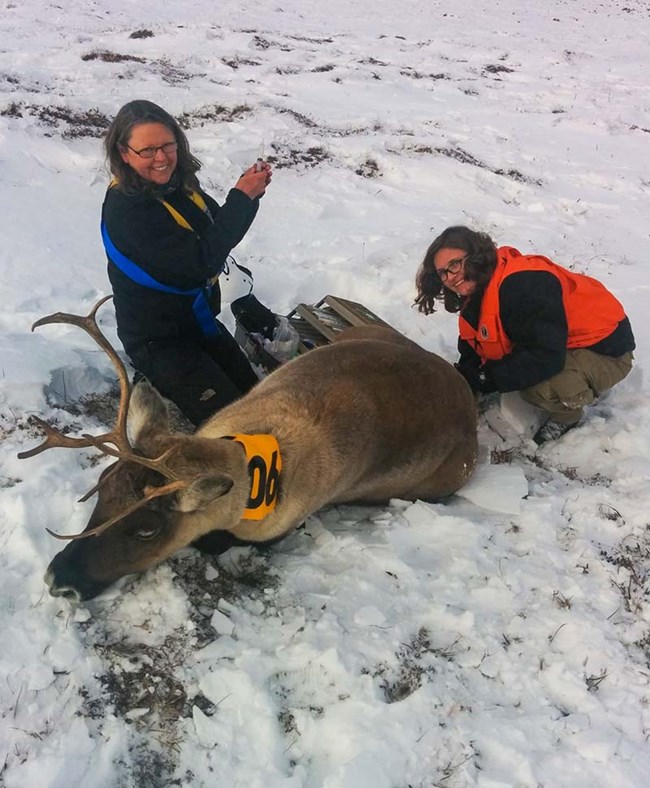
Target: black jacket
{"points": [[532, 314], [145, 231]]}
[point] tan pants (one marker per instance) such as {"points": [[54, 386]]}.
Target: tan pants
{"points": [[585, 376]]}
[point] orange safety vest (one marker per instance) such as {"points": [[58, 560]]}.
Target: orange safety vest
{"points": [[592, 311]]}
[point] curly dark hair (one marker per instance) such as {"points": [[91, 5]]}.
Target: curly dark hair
{"points": [[480, 263], [119, 132]]}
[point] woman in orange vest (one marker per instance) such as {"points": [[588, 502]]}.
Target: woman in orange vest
{"points": [[527, 324]]}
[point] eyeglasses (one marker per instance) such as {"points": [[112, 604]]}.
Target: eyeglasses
{"points": [[453, 268], [150, 152]]}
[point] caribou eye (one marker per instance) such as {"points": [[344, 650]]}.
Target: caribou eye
{"points": [[146, 534]]}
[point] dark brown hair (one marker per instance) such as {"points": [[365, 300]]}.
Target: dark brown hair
{"points": [[119, 132], [480, 263]]}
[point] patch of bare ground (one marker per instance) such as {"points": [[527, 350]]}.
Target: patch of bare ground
{"points": [[236, 62], [172, 73], [372, 61], [286, 157], [288, 70], [415, 663], [259, 42], [22, 83], [571, 473], [142, 33], [413, 74], [71, 123], [213, 113], [101, 407], [323, 130], [368, 169], [112, 57], [466, 158], [248, 577], [309, 40], [303, 120], [497, 69], [522, 453], [631, 560], [13, 110]]}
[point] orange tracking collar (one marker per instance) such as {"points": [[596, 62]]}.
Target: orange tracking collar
{"points": [[264, 466]]}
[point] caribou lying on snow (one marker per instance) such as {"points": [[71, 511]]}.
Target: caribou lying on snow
{"points": [[370, 417]]}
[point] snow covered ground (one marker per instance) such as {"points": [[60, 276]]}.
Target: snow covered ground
{"points": [[491, 641]]}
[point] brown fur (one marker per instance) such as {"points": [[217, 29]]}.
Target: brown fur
{"points": [[371, 417]]}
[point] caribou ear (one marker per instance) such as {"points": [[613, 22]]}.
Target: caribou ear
{"points": [[148, 414], [201, 493]]}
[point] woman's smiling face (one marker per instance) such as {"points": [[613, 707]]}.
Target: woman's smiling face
{"points": [[450, 266], [146, 137]]}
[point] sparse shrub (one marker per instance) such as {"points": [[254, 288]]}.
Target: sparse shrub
{"points": [[112, 57], [236, 62], [492, 69], [212, 113], [264, 43], [419, 75], [13, 110], [466, 158], [415, 664], [91, 123], [292, 157], [171, 73], [368, 169]]}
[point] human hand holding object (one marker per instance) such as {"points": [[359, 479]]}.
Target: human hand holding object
{"points": [[255, 180]]}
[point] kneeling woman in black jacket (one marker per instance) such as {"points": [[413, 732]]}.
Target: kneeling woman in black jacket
{"points": [[167, 241]]}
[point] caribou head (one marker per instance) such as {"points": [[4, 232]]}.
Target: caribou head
{"points": [[162, 493]]}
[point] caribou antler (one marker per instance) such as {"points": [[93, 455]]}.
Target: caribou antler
{"points": [[117, 436], [53, 439], [123, 450], [150, 493]]}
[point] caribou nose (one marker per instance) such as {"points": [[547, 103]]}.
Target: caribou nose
{"points": [[66, 591], [66, 584], [71, 594]]}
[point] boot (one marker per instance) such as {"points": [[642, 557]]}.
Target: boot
{"points": [[552, 431]]}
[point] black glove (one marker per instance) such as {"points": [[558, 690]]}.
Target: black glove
{"points": [[253, 316], [485, 382], [478, 377]]}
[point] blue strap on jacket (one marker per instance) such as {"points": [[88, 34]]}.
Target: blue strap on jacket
{"points": [[200, 307]]}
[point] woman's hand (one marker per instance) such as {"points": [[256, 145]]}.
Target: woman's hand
{"points": [[255, 180]]}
